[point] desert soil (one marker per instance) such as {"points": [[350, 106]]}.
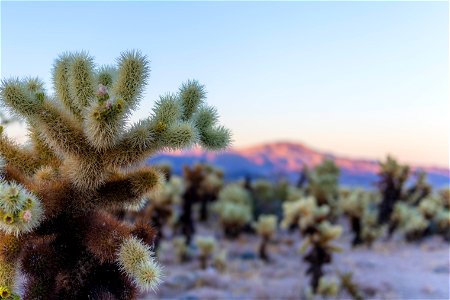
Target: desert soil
{"points": [[389, 270]]}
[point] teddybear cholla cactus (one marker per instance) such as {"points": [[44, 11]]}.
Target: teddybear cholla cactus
{"points": [[360, 208], [318, 232], [206, 246], [55, 198], [266, 227], [323, 185], [234, 209], [391, 184], [161, 208]]}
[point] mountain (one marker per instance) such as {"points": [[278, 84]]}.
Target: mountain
{"points": [[286, 159]]}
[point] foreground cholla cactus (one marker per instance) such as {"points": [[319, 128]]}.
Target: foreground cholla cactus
{"points": [[318, 232], [57, 191]]}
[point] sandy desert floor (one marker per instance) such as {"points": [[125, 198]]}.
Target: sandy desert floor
{"points": [[390, 270]]}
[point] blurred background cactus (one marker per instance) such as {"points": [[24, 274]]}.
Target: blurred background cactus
{"points": [[84, 161], [393, 177], [318, 233], [266, 228], [323, 184], [234, 209], [361, 209], [206, 246]]}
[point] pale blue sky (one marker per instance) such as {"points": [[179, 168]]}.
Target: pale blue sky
{"points": [[355, 78]]}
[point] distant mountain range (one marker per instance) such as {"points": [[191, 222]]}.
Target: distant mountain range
{"points": [[286, 159]]}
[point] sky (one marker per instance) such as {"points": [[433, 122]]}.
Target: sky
{"points": [[360, 79]]}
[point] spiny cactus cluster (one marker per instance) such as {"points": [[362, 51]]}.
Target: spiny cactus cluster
{"points": [[210, 187], [234, 209], [161, 207], [430, 216], [360, 207], [392, 178], [267, 197], [206, 246], [323, 183], [202, 185], [266, 227], [83, 161], [314, 224]]}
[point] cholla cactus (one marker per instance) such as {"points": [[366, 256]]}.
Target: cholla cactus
{"points": [[328, 287], [430, 206], [444, 195], [206, 246], [181, 248], [420, 189], [415, 225], [81, 163], [265, 198], [220, 260], [209, 189], [318, 232], [442, 220], [360, 208], [234, 209], [161, 207], [266, 227], [281, 188], [323, 183], [370, 229], [409, 220], [202, 185], [391, 183], [348, 284]]}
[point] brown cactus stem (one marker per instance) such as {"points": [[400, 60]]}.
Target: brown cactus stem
{"points": [[263, 248], [356, 228], [187, 225], [316, 258], [157, 222], [232, 232], [204, 202], [203, 262]]}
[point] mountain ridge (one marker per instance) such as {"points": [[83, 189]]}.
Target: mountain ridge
{"points": [[287, 158]]}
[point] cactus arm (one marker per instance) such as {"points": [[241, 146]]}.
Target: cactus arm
{"points": [[61, 83], [61, 131], [19, 157], [103, 123], [59, 128], [81, 79], [133, 71], [9, 254], [136, 260], [129, 188]]}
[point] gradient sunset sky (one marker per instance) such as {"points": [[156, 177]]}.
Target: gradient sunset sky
{"points": [[361, 79]]}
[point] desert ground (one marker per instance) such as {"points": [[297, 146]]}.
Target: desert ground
{"points": [[391, 269]]}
